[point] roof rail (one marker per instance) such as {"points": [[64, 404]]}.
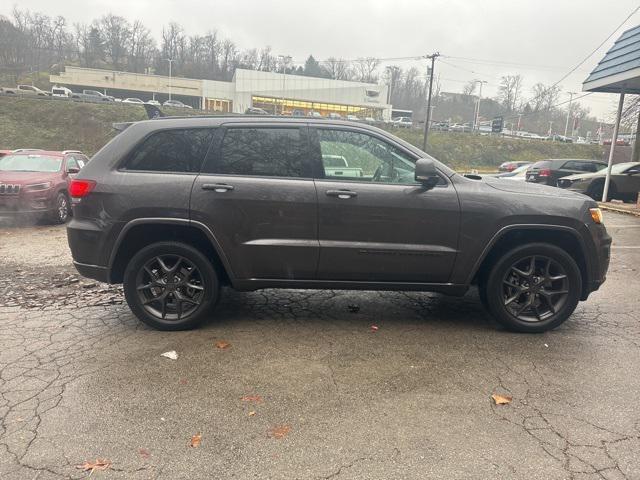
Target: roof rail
{"points": [[64, 152]]}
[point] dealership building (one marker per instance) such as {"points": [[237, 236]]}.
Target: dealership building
{"points": [[273, 92]]}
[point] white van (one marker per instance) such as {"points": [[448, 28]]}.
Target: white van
{"points": [[57, 91]]}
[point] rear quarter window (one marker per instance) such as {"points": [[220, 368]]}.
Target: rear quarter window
{"points": [[178, 150]]}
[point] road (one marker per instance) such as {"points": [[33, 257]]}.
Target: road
{"points": [[307, 389]]}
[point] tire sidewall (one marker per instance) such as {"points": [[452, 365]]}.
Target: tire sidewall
{"points": [[205, 267], [495, 279]]}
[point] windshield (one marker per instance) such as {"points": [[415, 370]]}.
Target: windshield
{"points": [[30, 163]]}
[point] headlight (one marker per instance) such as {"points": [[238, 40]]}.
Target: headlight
{"points": [[36, 187]]}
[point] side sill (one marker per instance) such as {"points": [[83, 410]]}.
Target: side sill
{"points": [[260, 283]]}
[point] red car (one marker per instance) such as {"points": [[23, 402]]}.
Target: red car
{"points": [[511, 166], [36, 183]]}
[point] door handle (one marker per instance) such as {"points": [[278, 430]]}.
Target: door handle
{"points": [[344, 194], [217, 187]]}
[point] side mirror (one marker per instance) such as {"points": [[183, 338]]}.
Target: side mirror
{"points": [[73, 170], [426, 173]]}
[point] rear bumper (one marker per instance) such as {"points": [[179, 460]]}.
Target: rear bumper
{"points": [[96, 272]]}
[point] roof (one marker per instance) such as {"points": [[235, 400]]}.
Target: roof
{"points": [[619, 68]]}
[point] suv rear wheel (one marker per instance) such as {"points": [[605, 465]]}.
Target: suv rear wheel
{"points": [[170, 286], [533, 288]]}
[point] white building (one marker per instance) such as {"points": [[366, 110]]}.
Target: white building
{"points": [[274, 92]]}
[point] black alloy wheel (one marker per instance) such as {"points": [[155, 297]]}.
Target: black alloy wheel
{"points": [[170, 286], [533, 288]]}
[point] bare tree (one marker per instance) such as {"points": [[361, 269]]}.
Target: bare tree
{"points": [[116, 34], [365, 69], [509, 91], [470, 87]]}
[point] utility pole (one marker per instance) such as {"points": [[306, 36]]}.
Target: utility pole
{"points": [[519, 118], [390, 86], [550, 125], [432, 57], [566, 125]]}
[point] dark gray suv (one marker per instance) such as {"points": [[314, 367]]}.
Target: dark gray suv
{"points": [[176, 207]]}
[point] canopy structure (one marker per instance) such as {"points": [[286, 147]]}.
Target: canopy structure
{"points": [[618, 72]]}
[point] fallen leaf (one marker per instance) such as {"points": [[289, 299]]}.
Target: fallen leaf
{"points": [[221, 344], [173, 355], [252, 398], [279, 431], [196, 440], [501, 399], [353, 308], [374, 328], [99, 464], [144, 453], [183, 381], [252, 413]]}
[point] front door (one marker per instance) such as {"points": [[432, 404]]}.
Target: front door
{"points": [[257, 196], [376, 223]]}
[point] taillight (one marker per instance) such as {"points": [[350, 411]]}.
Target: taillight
{"points": [[81, 188], [545, 172]]}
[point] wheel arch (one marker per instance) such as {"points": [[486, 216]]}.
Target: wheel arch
{"points": [[136, 234], [509, 237]]}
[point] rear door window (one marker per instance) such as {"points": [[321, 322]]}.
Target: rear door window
{"points": [[262, 151], [180, 150]]}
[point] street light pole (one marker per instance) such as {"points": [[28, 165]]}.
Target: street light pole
{"points": [[285, 62], [432, 57], [566, 125], [170, 60], [477, 115]]}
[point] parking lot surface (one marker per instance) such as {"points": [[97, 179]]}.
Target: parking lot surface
{"points": [[306, 386]]}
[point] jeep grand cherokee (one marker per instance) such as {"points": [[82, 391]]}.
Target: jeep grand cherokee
{"points": [[176, 207]]}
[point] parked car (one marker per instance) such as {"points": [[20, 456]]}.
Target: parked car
{"points": [[519, 173], [36, 183], [136, 101], [440, 127], [93, 96], [549, 171], [402, 122], [624, 183], [4, 153], [263, 212], [153, 102], [26, 90], [353, 118], [620, 142], [255, 111], [60, 92], [334, 116], [313, 113], [297, 113], [511, 166], [175, 104]]}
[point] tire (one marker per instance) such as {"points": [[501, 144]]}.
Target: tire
{"points": [[596, 190], [540, 300], [61, 208], [175, 294]]}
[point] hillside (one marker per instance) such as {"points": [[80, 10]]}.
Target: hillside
{"points": [[58, 125]]}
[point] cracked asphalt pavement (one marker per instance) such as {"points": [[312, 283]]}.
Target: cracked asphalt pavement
{"points": [[307, 389]]}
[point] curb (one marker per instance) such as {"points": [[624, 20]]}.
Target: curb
{"points": [[635, 213]]}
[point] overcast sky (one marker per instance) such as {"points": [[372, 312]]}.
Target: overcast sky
{"points": [[539, 39]]}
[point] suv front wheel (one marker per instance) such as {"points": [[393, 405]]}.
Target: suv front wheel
{"points": [[170, 286], [533, 288]]}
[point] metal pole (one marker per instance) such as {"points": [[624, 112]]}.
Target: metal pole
{"points": [[170, 60], [635, 153], [428, 119], [566, 125], [614, 139], [477, 116]]}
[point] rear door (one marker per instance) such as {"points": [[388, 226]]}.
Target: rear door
{"points": [[256, 194], [376, 223]]}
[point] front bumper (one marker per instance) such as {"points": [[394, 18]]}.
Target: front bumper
{"points": [[26, 204]]}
